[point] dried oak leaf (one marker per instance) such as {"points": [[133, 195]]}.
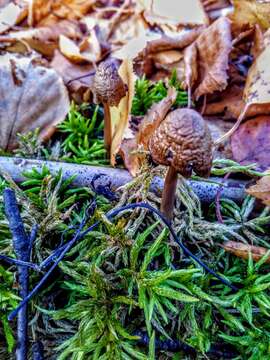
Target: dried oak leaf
{"points": [[243, 250], [251, 12], [32, 96], [207, 59], [261, 190], [251, 142], [48, 12]]}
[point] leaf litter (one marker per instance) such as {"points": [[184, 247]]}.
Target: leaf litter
{"points": [[210, 56]]}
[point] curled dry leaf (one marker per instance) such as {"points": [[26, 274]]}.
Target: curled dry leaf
{"points": [[12, 14], [165, 13], [48, 12], [243, 250], [251, 12], [251, 142], [261, 190], [36, 98], [207, 59], [44, 39], [154, 117]]}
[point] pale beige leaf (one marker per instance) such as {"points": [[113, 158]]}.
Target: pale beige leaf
{"points": [[243, 250], [120, 114], [261, 190], [32, 96], [189, 12], [11, 14], [257, 88]]}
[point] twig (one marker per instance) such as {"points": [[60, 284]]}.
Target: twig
{"points": [[21, 244], [115, 178]]}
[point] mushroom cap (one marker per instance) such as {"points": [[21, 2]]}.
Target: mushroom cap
{"points": [[183, 140], [108, 86]]}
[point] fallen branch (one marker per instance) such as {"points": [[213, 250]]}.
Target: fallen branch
{"points": [[111, 178]]}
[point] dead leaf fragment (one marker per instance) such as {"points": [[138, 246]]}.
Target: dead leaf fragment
{"points": [[36, 98], [261, 190], [243, 250], [11, 14], [48, 12], [251, 12], [154, 117], [251, 142], [207, 59], [165, 12]]}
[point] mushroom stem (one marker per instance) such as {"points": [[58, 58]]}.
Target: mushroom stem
{"points": [[107, 128], [168, 195]]}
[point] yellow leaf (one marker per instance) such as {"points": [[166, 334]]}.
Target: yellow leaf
{"points": [[251, 12], [120, 114], [10, 15], [261, 190]]}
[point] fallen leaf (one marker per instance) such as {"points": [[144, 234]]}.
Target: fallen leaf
{"points": [[251, 142], [243, 250], [261, 190], [44, 39], [48, 12], [120, 114], [77, 78], [257, 89], [154, 117], [36, 98], [164, 12], [251, 12], [12, 14], [207, 60]]}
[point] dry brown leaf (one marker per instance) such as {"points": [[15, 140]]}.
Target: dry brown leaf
{"points": [[261, 190], [251, 12], [12, 14], [154, 117], [120, 114], [78, 78], [166, 13], [32, 96], [251, 142], [48, 12], [208, 57], [243, 250], [44, 39]]}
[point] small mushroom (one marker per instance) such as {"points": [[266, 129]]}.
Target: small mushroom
{"points": [[109, 89], [182, 142]]}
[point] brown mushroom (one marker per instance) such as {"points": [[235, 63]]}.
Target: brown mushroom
{"points": [[109, 89], [182, 142]]}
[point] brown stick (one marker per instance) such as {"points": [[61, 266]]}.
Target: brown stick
{"points": [[168, 195]]}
